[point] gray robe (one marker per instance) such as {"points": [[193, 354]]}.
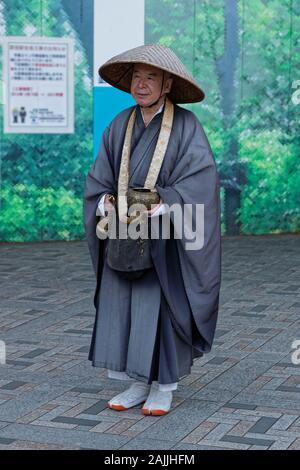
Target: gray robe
{"points": [[177, 319]]}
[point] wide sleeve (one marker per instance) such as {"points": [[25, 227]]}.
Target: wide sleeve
{"points": [[100, 180], [194, 187]]}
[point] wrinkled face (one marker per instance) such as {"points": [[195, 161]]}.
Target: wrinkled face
{"points": [[146, 83]]}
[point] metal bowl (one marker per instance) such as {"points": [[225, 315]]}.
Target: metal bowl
{"points": [[144, 196]]}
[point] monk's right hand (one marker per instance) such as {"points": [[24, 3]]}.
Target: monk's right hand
{"points": [[108, 202]]}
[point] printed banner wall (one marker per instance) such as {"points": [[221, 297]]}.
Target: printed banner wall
{"points": [[245, 55]]}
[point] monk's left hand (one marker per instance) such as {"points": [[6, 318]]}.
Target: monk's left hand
{"points": [[154, 209]]}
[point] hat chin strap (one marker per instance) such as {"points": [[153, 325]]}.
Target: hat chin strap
{"points": [[160, 95]]}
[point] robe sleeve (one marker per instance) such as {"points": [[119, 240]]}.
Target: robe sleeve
{"points": [[100, 180], [194, 180], [101, 204]]}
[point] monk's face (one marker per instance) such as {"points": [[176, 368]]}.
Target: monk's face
{"points": [[146, 84]]}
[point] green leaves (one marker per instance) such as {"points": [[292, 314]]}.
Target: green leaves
{"points": [[30, 212], [271, 198]]}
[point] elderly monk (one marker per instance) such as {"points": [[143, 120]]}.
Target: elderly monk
{"points": [[149, 328]]}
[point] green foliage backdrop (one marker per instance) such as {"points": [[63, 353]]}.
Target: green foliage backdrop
{"points": [[256, 137], [42, 176]]}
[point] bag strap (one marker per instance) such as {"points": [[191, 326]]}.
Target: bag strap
{"points": [[156, 162]]}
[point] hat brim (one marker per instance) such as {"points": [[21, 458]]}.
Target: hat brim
{"points": [[119, 74]]}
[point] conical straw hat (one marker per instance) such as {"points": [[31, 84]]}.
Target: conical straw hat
{"points": [[117, 71]]}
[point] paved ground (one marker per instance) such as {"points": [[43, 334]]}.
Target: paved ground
{"points": [[244, 395]]}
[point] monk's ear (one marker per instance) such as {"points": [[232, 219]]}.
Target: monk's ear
{"points": [[169, 84]]}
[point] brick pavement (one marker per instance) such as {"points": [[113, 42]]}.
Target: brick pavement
{"points": [[245, 394]]}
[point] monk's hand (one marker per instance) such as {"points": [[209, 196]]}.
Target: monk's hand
{"points": [[154, 208], [109, 202]]}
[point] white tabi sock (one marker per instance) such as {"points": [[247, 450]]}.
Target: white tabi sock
{"points": [[137, 393], [158, 402], [115, 374]]}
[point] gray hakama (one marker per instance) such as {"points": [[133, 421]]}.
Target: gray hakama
{"points": [[127, 324], [153, 327], [133, 333]]}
